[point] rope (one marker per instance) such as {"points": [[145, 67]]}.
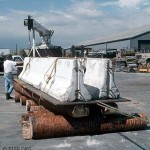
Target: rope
{"points": [[84, 63], [28, 64], [49, 77], [53, 69], [104, 105]]}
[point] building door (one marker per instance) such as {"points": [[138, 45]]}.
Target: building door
{"points": [[144, 44]]}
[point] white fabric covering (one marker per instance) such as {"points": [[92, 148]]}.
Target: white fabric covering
{"points": [[34, 70], [99, 79], [55, 76], [65, 80]]}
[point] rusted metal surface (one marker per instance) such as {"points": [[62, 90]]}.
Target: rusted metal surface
{"points": [[26, 92], [48, 125], [17, 87], [36, 111], [23, 100], [17, 97], [29, 103], [37, 108]]}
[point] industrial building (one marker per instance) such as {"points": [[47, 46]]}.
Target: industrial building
{"points": [[4, 51], [136, 39]]}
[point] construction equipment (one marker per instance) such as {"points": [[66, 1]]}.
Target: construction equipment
{"points": [[144, 66], [45, 48], [74, 103], [143, 61]]}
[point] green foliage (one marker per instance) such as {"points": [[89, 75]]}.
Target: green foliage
{"points": [[131, 60], [2, 58], [128, 53]]}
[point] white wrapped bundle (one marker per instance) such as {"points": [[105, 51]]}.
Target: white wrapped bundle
{"points": [[99, 79], [64, 84], [57, 77], [34, 70], [65, 80]]}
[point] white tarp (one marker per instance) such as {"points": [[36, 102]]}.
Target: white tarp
{"points": [[57, 77], [66, 80], [99, 79]]}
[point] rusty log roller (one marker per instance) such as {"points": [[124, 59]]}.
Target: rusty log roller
{"points": [[17, 97], [48, 125], [30, 103], [38, 108], [23, 100], [26, 92], [34, 111], [26, 130], [15, 85], [18, 88]]}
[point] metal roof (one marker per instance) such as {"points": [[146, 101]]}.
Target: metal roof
{"points": [[130, 34]]}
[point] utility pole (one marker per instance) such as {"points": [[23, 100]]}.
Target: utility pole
{"points": [[16, 50]]}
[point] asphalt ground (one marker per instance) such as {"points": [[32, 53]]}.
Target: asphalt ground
{"points": [[134, 86]]}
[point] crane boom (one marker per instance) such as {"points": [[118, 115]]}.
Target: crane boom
{"points": [[44, 33]]}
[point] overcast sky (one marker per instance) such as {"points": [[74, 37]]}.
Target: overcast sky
{"points": [[73, 21]]}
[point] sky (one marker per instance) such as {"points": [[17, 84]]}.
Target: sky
{"points": [[73, 21]]}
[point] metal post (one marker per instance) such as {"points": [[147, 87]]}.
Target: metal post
{"points": [[106, 46], [33, 43]]}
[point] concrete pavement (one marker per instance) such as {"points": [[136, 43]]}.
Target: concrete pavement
{"points": [[134, 86]]}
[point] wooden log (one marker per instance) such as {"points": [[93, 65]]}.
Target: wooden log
{"points": [[29, 103], [46, 126], [37, 108], [17, 87], [17, 97], [26, 127], [26, 92], [23, 100]]}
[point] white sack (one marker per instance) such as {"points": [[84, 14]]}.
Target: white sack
{"points": [[99, 79], [64, 79], [65, 83], [34, 70], [57, 77]]}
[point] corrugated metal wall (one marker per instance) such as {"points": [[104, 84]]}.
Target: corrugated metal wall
{"points": [[135, 42], [114, 45], [126, 44]]}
